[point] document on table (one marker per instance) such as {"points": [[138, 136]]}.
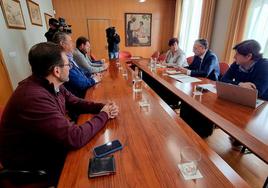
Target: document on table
{"points": [[172, 72], [209, 87], [184, 78]]}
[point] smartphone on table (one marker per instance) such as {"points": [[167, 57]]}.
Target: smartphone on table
{"points": [[107, 148]]}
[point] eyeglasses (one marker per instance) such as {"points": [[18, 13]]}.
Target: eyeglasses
{"points": [[69, 64]]}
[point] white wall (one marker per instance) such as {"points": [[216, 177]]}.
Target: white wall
{"points": [[18, 41], [219, 34]]}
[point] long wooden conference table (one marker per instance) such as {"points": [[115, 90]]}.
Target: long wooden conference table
{"points": [[152, 139], [247, 125]]}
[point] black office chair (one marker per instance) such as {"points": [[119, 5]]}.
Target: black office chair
{"points": [[23, 178]]}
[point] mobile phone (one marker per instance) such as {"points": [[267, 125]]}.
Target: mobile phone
{"points": [[107, 148]]}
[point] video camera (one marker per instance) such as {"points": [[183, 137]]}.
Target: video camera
{"points": [[60, 25]]}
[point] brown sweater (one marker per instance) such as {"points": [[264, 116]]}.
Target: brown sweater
{"points": [[34, 133]]}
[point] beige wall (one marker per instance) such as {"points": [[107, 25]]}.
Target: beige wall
{"points": [[76, 12], [15, 43]]}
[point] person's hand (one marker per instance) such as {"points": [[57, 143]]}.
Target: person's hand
{"points": [[111, 109], [105, 66], [248, 85], [97, 77], [182, 70]]}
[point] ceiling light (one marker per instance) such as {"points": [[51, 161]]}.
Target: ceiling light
{"points": [[142, 1]]}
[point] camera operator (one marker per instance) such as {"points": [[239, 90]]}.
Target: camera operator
{"points": [[113, 40], [53, 28]]}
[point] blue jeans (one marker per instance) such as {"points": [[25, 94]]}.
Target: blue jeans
{"points": [[113, 55]]}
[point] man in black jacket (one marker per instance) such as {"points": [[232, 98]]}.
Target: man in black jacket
{"points": [[53, 28], [205, 62], [113, 40]]}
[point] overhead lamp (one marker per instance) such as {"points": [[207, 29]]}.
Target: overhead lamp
{"points": [[142, 1]]}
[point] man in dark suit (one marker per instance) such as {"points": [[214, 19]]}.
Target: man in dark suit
{"points": [[205, 62]]}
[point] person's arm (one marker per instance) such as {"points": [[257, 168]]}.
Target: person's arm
{"points": [[78, 81], [80, 105], [44, 117], [209, 64], [181, 61], [260, 79], [229, 76], [117, 39], [81, 60]]}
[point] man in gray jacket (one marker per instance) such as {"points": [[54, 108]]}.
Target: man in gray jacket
{"points": [[84, 61]]}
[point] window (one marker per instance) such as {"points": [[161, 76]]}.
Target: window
{"points": [[190, 23], [256, 24]]}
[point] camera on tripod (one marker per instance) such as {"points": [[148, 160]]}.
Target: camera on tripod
{"points": [[63, 26]]}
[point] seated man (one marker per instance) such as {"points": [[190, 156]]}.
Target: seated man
{"points": [[83, 60], [34, 132], [79, 82], [205, 62], [175, 57], [249, 70]]}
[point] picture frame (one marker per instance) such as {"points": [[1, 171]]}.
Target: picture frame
{"points": [[47, 17], [13, 14], [138, 28], [34, 12]]}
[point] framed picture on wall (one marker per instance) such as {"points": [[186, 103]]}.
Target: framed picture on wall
{"points": [[13, 14], [47, 17], [138, 28], [34, 12]]}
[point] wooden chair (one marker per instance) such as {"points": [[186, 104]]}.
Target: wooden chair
{"points": [[223, 68], [190, 60], [124, 55], [162, 57], [155, 55]]}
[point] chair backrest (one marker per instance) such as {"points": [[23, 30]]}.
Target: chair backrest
{"points": [[223, 68], [190, 60], [162, 57], [155, 55], [124, 55]]}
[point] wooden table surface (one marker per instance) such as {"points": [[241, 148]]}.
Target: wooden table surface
{"points": [[152, 138], [248, 125]]}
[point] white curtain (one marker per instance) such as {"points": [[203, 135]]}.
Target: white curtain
{"points": [[257, 24], [190, 23]]}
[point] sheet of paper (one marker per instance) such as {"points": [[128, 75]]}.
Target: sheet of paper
{"points": [[210, 87], [135, 57], [184, 78], [173, 72]]}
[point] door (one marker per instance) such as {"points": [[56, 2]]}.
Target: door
{"points": [[5, 84], [97, 36]]}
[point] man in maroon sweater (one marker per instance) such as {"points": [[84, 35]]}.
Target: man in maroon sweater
{"points": [[34, 132]]}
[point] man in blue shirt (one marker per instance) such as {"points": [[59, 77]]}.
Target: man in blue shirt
{"points": [[205, 62], [249, 70], [78, 82]]}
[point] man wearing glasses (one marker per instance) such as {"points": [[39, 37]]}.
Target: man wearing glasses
{"points": [[34, 131]]}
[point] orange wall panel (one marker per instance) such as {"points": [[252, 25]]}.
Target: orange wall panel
{"points": [[76, 13]]}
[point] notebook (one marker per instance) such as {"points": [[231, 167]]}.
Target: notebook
{"points": [[101, 166], [237, 94]]}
